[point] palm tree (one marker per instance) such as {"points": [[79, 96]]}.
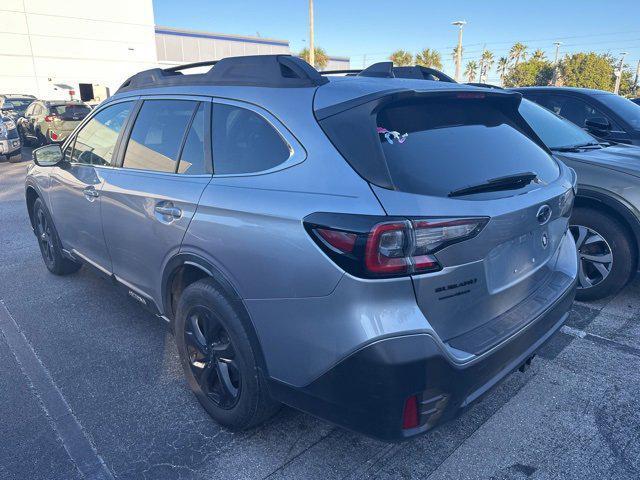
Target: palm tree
{"points": [[470, 71], [321, 59], [503, 66], [401, 58], [518, 52], [429, 58], [539, 54], [486, 62]]}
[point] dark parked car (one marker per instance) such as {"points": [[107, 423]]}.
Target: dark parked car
{"points": [[18, 103], [606, 219], [378, 253], [10, 144], [604, 114], [636, 100], [49, 121]]}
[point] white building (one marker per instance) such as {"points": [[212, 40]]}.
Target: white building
{"points": [[48, 47], [53, 48]]}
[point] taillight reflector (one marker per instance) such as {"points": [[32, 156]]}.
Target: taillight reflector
{"points": [[49, 118], [410, 417]]}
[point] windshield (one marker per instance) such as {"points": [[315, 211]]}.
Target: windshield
{"points": [[628, 111], [20, 105], [554, 131]]}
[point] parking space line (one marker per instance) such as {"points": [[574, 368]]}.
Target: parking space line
{"points": [[74, 439]]}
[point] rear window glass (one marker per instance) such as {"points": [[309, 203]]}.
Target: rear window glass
{"points": [[70, 112], [436, 146]]}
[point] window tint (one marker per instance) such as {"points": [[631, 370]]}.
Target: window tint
{"points": [[157, 135], [244, 142], [192, 159], [625, 108], [434, 147], [554, 131], [573, 109], [97, 140]]}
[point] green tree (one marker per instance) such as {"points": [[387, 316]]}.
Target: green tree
{"points": [[539, 55], [470, 71], [401, 58], [503, 66], [321, 58], [429, 58], [530, 73], [518, 52], [486, 62], [588, 70]]}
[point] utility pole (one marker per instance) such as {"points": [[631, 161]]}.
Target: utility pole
{"points": [[616, 89], [460, 24], [312, 51], [635, 83], [555, 64]]}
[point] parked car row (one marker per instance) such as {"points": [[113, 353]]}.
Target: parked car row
{"points": [[40, 122]]}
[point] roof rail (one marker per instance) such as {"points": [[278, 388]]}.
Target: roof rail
{"points": [[387, 70], [252, 70]]}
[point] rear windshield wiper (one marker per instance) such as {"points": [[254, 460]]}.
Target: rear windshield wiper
{"points": [[509, 182], [575, 148]]}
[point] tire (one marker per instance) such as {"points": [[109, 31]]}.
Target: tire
{"points": [[223, 375], [41, 139], [15, 158], [597, 234], [49, 242]]}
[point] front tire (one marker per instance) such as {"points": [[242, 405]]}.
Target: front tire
{"points": [[218, 360], [49, 242], [605, 253], [15, 158]]}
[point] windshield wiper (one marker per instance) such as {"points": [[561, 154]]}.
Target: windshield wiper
{"points": [[575, 148], [509, 182]]}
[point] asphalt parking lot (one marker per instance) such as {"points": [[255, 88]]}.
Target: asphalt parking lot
{"points": [[91, 387]]}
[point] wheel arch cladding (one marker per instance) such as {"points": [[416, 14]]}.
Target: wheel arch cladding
{"points": [[186, 269], [31, 195]]}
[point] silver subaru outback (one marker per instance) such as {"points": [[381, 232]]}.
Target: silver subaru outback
{"points": [[376, 252]]}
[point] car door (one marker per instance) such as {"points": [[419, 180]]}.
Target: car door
{"points": [[76, 185], [26, 122], [578, 110], [150, 199]]}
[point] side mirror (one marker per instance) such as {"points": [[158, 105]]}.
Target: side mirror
{"points": [[600, 124], [6, 106], [48, 156]]}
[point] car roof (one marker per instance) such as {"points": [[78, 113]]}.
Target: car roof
{"points": [[583, 91]]}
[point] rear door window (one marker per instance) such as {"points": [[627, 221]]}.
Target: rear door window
{"points": [[244, 142], [193, 159], [436, 146], [157, 135]]}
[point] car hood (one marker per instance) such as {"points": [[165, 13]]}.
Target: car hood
{"points": [[623, 158]]}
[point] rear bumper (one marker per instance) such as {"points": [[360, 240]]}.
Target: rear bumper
{"points": [[366, 391]]}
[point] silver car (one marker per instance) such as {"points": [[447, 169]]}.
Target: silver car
{"points": [[376, 252]]}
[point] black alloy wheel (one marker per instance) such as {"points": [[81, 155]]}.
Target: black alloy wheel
{"points": [[212, 357]]}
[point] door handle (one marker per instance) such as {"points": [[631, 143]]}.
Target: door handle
{"points": [[90, 192], [168, 210]]}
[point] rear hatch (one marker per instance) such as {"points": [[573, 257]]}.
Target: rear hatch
{"points": [[464, 154], [67, 117]]}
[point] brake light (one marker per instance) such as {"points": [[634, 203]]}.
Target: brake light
{"points": [[53, 135], [367, 247], [50, 118], [470, 95]]}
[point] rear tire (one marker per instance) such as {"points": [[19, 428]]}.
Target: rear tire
{"points": [[601, 237], [15, 158], [218, 360], [49, 242]]}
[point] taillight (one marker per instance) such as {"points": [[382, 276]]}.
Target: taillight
{"points": [[49, 118], [410, 417], [367, 247]]}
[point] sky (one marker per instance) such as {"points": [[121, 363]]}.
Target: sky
{"points": [[368, 31]]}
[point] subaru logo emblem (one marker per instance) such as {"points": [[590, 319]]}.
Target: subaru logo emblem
{"points": [[544, 214], [545, 240]]}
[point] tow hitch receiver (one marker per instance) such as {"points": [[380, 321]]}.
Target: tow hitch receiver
{"points": [[526, 364]]}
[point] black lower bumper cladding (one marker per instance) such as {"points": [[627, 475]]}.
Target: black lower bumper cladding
{"points": [[366, 392]]}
